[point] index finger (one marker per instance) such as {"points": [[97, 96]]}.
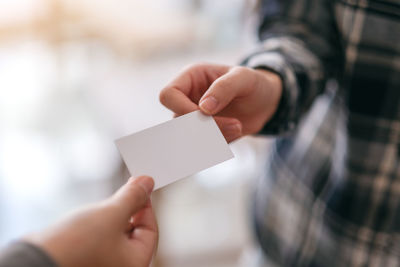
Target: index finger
{"points": [[175, 100], [183, 93]]}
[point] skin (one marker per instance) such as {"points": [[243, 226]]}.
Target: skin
{"points": [[122, 230], [242, 100], [119, 231]]}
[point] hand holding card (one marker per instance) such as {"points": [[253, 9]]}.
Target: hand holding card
{"points": [[175, 149]]}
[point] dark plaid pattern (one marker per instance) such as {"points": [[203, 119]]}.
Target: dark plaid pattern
{"points": [[331, 194]]}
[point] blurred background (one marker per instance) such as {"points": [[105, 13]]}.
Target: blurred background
{"points": [[77, 74]]}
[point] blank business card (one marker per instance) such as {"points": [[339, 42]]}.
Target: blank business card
{"points": [[175, 149]]}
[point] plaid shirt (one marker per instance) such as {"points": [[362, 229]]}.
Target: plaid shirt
{"points": [[331, 194]]}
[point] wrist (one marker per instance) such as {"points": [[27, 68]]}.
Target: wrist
{"points": [[273, 84]]}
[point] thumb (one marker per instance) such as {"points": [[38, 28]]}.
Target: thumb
{"points": [[236, 83], [133, 196]]}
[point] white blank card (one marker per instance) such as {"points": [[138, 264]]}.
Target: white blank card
{"points": [[175, 149]]}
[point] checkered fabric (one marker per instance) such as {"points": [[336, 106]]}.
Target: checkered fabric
{"points": [[331, 192]]}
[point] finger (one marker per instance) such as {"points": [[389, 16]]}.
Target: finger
{"points": [[133, 196], [145, 218], [145, 229], [176, 101], [236, 83], [183, 93], [231, 128]]}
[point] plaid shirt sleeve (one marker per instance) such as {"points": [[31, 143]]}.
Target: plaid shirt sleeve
{"points": [[300, 44]]}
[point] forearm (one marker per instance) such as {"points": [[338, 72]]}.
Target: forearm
{"points": [[302, 47]]}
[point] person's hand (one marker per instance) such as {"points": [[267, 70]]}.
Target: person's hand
{"points": [[120, 231], [242, 99]]}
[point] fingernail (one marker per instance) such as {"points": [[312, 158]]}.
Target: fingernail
{"points": [[209, 104], [146, 183]]}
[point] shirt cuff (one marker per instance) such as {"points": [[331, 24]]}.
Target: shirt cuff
{"points": [[24, 254], [284, 120]]}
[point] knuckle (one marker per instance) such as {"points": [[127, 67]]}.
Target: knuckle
{"points": [[239, 70], [164, 95], [191, 67], [195, 67]]}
